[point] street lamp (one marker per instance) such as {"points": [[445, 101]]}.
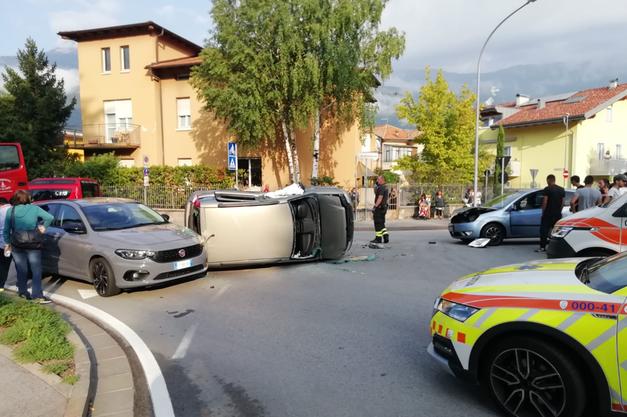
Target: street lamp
{"points": [[476, 176]]}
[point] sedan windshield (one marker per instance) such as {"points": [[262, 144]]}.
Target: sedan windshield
{"points": [[504, 200], [116, 216], [607, 274]]}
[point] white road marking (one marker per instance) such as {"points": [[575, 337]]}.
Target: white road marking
{"points": [[181, 351], [222, 290], [85, 294]]}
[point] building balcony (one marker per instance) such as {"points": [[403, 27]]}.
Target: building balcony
{"points": [[104, 136], [608, 167]]}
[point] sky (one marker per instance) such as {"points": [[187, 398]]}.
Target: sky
{"points": [[445, 34]]}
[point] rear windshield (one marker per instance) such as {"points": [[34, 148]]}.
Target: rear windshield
{"points": [[90, 189], [49, 194], [9, 158]]}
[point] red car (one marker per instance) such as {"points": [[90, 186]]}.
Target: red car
{"points": [[63, 188]]}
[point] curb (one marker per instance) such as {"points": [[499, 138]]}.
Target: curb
{"points": [[78, 402], [159, 395]]}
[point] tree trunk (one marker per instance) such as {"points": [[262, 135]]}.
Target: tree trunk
{"points": [[292, 154], [316, 144]]}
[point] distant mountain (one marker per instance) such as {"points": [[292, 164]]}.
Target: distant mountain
{"points": [[532, 80]]}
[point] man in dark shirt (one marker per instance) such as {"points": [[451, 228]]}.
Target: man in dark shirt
{"points": [[552, 204], [379, 211]]}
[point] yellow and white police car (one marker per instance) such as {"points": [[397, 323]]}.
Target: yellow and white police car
{"points": [[545, 338]]}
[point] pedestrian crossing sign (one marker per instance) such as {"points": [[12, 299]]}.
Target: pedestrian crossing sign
{"points": [[232, 148], [232, 165]]}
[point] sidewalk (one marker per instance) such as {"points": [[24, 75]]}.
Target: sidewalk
{"points": [[24, 394], [404, 224], [106, 386]]}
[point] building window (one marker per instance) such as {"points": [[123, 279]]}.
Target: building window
{"points": [[619, 152], [106, 60], [185, 162], [118, 120], [252, 172], [125, 58], [609, 115], [507, 151], [126, 163], [600, 151], [184, 114], [394, 153]]}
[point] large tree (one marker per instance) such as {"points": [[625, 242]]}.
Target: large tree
{"points": [[446, 124], [271, 68], [34, 109], [257, 73], [350, 51]]}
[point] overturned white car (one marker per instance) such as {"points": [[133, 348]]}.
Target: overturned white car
{"points": [[246, 228]]}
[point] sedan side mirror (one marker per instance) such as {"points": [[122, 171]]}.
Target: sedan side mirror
{"points": [[77, 228], [166, 217]]}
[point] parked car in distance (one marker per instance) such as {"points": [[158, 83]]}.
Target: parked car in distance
{"points": [[117, 243], [63, 188], [246, 228], [511, 215], [13, 175], [597, 231]]}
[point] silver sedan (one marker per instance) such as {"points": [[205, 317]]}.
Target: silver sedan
{"points": [[512, 215], [118, 243]]}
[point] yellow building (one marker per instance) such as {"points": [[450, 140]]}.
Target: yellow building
{"points": [[136, 101], [581, 133]]}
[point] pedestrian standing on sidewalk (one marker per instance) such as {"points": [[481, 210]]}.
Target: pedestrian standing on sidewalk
{"points": [[379, 210], [586, 197], [354, 195], [619, 188], [24, 226], [439, 205], [5, 261], [604, 188], [552, 204]]}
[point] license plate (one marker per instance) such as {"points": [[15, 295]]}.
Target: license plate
{"points": [[183, 264]]}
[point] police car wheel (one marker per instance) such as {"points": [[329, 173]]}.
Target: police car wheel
{"points": [[530, 378], [495, 232]]}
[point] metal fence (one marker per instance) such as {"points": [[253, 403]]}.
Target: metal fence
{"points": [[155, 196]]}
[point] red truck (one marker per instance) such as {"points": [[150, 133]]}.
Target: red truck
{"points": [[13, 174]]}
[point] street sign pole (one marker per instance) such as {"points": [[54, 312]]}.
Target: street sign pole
{"points": [[231, 160], [146, 179]]}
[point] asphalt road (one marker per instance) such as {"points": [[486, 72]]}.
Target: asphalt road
{"points": [[314, 339]]}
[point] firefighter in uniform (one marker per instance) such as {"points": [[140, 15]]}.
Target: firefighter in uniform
{"points": [[379, 210]]}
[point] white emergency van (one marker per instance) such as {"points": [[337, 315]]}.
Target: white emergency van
{"points": [[597, 231]]}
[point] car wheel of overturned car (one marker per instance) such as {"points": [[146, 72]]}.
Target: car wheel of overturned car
{"points": [[103, 277], [495, 232], [531, 378]]}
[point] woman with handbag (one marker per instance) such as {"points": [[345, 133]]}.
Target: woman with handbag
{"points": [[24, 227]]}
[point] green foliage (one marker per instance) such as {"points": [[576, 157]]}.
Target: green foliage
{"points": [[446, 121], [105, 168], [34, 109], [389, 176], [39, 333], [500, 149], [323, 181]]}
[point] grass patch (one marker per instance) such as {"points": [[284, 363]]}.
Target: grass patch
{"points": [[37, 334]]}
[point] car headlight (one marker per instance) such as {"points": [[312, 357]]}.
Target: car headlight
{"points": [[560, 231], [134, 254], [459, 312]]}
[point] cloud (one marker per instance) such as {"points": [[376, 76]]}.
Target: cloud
{"points": [[84, 14], [449, 33]]}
